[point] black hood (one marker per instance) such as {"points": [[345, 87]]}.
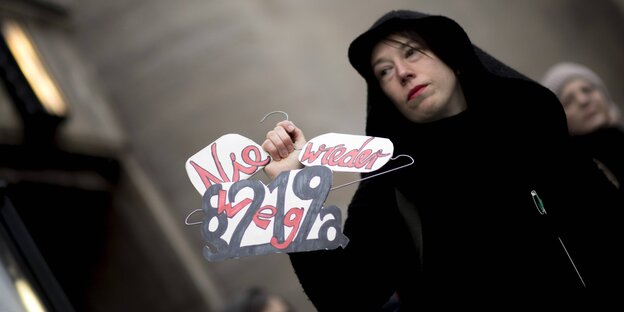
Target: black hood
{"points": [[478, 70], [442, 34]]}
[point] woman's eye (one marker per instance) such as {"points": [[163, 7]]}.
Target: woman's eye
{"points": [[411, 53], [588, 89], [383, 72]]}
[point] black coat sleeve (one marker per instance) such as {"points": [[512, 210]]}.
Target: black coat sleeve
{"points": [[362, 276]]}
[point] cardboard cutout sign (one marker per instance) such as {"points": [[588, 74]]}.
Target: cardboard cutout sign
{"points": [[230, 158], [248, 218], [245, 217], [346, 152]]}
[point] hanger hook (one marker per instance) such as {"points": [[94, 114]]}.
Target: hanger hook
{"points": [[379, 173], [186, 221], [273, 112]]}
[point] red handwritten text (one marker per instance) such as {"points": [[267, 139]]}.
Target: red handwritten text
{"points": [[253, 164], [339, 156]]}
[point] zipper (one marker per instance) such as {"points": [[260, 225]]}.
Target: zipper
{"points": [[542, 211]]}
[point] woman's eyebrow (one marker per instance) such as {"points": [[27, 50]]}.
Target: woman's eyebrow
{"points": [[401, 45], [407, 44], [377, 62]]}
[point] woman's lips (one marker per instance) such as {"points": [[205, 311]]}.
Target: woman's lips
{"points": [[415, 91]]}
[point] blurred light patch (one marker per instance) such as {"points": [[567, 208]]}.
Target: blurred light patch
{"points": [[29, 299], [32, 67]]}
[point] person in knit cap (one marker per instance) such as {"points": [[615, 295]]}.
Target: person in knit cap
{"points": [[584, 97], [594, 120], [496, 211]]}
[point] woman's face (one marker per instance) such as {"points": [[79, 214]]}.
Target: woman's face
{"points": [[419, 84], [585, 106]]}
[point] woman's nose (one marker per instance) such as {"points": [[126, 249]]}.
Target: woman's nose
{"points": [[582, 99], [405, 73]]}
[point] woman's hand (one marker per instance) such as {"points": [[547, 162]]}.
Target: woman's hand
{"points": [[283, 143]]}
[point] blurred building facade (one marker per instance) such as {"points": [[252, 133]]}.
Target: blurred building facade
{"points": [[102, 188]]}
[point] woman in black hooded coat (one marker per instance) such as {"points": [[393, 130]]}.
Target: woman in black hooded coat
{"points": [[494, 206]]}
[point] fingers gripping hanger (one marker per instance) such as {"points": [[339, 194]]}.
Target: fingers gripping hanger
{"points": [[263, 119]]}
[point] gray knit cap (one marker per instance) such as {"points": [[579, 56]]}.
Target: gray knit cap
{"points": [[559, 74]]}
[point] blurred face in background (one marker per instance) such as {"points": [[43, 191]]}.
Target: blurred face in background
{"points": [[585, 106]]}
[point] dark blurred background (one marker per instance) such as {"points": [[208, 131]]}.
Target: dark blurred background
{"points": [[98, 177]]}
